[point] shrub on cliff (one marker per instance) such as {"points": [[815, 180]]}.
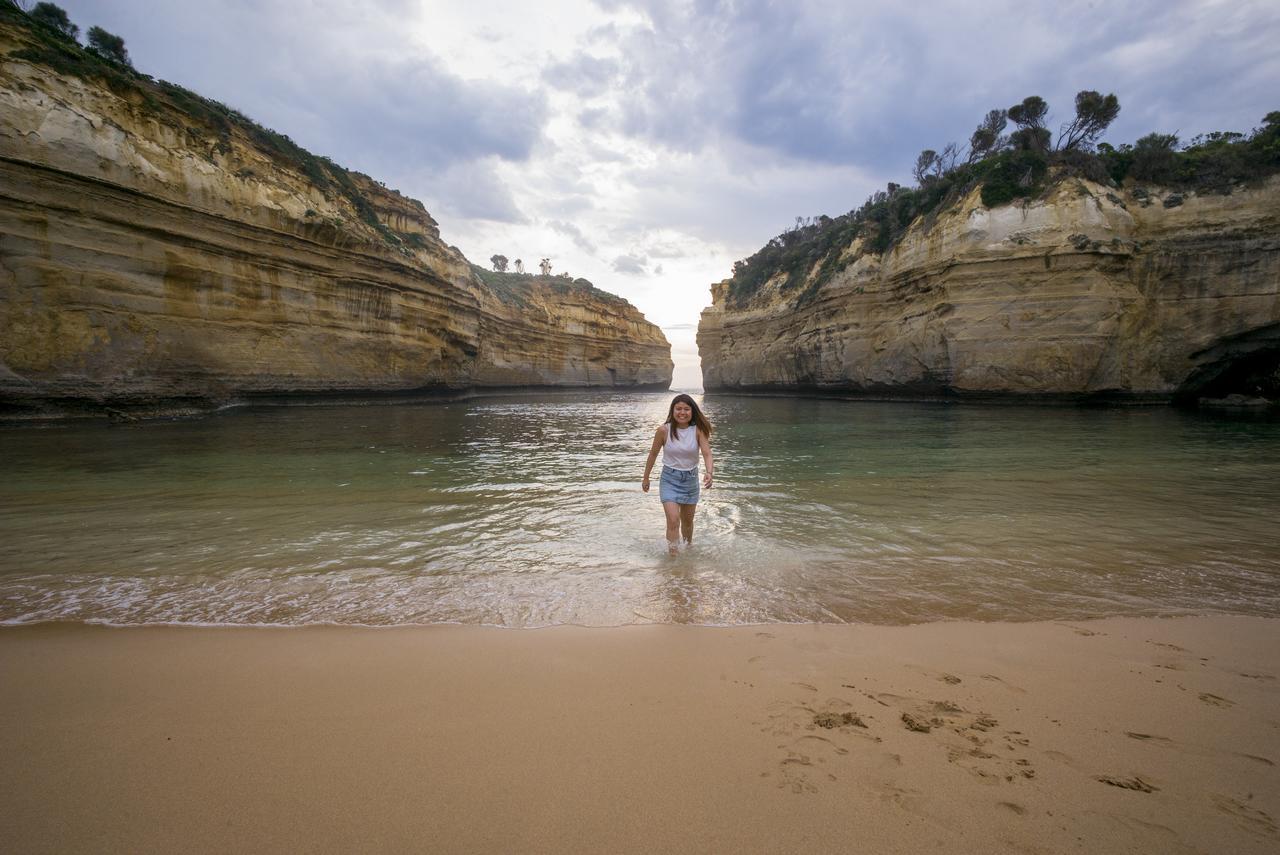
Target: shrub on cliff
{"points": [[1012, 175], [55, 18], [514, 288], [1210, 162], [109, 46]]}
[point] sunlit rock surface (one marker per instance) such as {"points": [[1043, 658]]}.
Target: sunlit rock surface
{"points": [[152, 257], [1088, 292]]}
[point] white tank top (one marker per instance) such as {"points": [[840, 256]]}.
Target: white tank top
{"points": [[682, 452]]}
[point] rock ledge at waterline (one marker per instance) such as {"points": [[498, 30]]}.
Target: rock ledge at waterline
{"points": [[1087, 292], [154, 256]]}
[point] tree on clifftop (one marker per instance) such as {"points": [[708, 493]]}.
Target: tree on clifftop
{"points": [[1031, 135], [499, 263], [1154, 157], [108, 46], [55, 18], [1094, 112], [987, 139]]}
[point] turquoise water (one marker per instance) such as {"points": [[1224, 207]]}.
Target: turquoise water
{"points": [[526, 511]]}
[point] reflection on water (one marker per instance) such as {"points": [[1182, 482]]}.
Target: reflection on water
{"points": [[527, 511]]}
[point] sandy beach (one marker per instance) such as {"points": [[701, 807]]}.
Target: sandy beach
{"points": [[1117, 735]]}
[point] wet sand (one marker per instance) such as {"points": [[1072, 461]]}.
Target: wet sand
{"points": [[1118, 735]]}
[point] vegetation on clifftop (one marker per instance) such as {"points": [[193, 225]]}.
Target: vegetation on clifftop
{"points": [[51, 40], [514, 287], [1021, 164]]}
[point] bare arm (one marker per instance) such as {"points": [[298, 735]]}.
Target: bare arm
{"points": [[704, 443], [659, 439]]}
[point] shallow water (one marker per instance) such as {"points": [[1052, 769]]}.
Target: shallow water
{"points": [[526, 511]]}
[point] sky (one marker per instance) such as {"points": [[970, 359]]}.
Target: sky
{"points": [[648, 145]]}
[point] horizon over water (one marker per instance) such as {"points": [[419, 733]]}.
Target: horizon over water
{"points": [[526, 511]]}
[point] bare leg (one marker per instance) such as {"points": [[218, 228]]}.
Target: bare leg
{"points": [[672, 511], [686, 522]]}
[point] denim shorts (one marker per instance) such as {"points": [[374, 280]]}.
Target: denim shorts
{"points": [[679, 486]]}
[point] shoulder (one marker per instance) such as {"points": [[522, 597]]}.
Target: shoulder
{"points": [[661, 432]]}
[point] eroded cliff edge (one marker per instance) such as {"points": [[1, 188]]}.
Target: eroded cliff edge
{"points": [[1086, 292], [160, 250]]}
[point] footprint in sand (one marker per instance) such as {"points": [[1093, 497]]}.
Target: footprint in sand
{"points": [[1010, 687], [876, 699], [1254, 757], [765, 635], [1168, 646], [950, 679], [830, 720], [1251, 818], [795, 773], [814, 741], [967, 739], [811, 688], [805, 762], [904, 797], [919, 724], [1134, 783], [1016, 808], [1216, 700], [1146, 737]]}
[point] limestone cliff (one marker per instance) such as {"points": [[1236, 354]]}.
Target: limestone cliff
{"points": [[1084, 292], [157, 249]]}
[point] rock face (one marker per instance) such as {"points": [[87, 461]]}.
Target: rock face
{"points": [[1083, 293], [156, 253]]}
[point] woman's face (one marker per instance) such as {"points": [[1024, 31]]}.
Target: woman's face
{"points": [[682, 413]]}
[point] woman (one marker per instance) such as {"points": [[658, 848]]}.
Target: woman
{"points": [[684, 435]]}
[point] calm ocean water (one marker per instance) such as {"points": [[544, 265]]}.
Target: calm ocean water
{"points": [[526, 511]]}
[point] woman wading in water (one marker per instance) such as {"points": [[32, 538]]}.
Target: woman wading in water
{"points": [[684, 435]]}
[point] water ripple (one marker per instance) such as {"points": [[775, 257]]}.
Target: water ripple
{"points": [[527, 512]]}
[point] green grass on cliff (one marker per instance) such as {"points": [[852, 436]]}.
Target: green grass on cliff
{"points": [[208, 123], [514, 287]]}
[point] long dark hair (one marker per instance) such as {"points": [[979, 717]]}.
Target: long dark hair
{"points": [[699, 420]]}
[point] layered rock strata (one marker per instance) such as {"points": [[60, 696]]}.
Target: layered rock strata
{"points": [[152, 256], [1086, 292]]}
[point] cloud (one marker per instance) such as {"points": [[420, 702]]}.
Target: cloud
{"points": [[579, 239], [584, 75], [342, 83], [471, 190], [631, 265], [871, 84]]}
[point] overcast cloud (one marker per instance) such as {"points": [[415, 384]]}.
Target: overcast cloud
{"points": [[610, 135]]}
